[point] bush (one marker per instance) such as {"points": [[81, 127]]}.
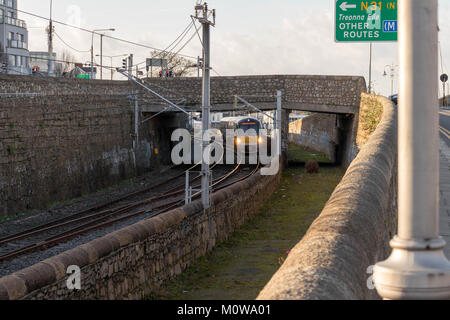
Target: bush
{"points": [[312, 167]]}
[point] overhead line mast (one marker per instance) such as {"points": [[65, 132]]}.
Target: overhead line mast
{"points": [[202, 15], [50, 42]]}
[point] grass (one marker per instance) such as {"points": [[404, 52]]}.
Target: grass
{"points": [[4, 218], [302, 154], [370, 116], [240, 267]]}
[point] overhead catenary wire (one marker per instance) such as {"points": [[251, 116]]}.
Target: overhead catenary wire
{"points": [[161, 51], [176, 42], [68, 45], [106, 36]]}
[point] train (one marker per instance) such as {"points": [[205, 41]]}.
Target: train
{"points": [[249, 135]]}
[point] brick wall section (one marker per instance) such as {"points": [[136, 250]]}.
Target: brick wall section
{"points": [[318, 132], [353, 231], [133, 262]]}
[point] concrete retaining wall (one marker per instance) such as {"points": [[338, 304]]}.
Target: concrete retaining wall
{"points": [[133, 262], [318, 132], [353, 231]]}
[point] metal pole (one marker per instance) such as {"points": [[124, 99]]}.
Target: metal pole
{"points": [[370, 69], [111, 68], [206, 106], [392, 79], [101, 57], [443, 99], [130, 64], [186, 200], [136, 119], [50, 42], [417, 268], [92, 56], [5, 40], [279, 122]]}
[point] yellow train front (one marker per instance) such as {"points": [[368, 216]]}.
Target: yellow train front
{"points": [[248, 134]]}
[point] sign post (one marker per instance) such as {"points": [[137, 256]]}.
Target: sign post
{"points": [[366, 21], [444, 79]]}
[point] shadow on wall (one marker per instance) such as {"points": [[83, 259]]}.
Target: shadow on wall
{"points": [[318, 132]]}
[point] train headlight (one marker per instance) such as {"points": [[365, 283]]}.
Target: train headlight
{"points": [[260, 140], [238, 140]]}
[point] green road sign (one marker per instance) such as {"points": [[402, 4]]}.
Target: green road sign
{"points": [[366, 21]]}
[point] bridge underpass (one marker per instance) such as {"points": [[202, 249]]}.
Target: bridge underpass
{"points": [[337, 95]]}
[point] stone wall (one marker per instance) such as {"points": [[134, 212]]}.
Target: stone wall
{"points": [[61, 139], [318, 132], [326, 93], [133, 262], [353, 231], [340, 94]]}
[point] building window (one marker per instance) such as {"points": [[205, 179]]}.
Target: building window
{"points": [[11, 36], [12, 60], [9, 3], [18, 61]]}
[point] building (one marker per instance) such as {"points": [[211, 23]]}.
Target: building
{"points": [[81, 72], [39, 63], [14, 56]]}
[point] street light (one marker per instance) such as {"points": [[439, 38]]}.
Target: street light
{"points": [[111, 57], [92, 48], [392, 75]]}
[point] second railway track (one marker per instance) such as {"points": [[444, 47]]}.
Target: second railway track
{"points": [[59, 231]]}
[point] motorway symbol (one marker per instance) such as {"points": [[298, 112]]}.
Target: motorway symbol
{"points": [[366, 21], [344, 6]]}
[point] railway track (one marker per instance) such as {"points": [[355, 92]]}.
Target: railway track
{"points": [[45, 236]]}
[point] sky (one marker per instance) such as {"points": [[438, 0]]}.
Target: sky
{"points": [[251, 37]]}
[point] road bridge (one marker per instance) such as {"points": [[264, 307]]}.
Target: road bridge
{"points": [[325, 94], [340, 95]]}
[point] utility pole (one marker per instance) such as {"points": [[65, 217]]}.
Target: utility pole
{"points": [[136, 120], [392, 75], [101, 56], [279, 123], [50, 42], [370, 69], [92, 48], [206, 108], [417, 268], [130, 64]]}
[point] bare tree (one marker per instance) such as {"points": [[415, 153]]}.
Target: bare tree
{"points": [[180, 66], [67, 61]]}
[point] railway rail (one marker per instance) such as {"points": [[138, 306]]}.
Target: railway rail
{"points": [[100, 216]]}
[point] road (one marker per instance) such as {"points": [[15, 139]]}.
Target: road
{"points": [[444, 129], [444, 185]]}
